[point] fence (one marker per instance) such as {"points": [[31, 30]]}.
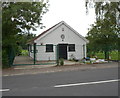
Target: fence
{"points": [[38, 55], [50, 54]]}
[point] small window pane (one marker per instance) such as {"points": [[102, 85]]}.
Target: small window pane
{"points": [[71, 47], [49, 47]]}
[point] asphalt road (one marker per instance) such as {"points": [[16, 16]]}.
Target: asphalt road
{"points": [[92, 82]]}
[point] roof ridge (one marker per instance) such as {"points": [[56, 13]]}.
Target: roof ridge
{"points": [[32, 41]]}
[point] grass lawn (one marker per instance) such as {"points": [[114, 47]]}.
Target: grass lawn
{"points": [[100, 55], [113, 54]]}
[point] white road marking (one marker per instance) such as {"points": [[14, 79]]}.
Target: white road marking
{"points": [[3, 90], [98, 82]]}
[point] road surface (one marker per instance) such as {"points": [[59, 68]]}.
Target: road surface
{"points": [[89, 82]]}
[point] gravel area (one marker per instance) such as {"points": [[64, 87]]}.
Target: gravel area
{"points": [[35, 69]]}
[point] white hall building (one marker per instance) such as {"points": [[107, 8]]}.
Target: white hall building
{"points": [[70, 43]]}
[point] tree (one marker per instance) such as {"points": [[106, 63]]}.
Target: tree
{"points": [[18, 17], [22, 40], [104, 34]]}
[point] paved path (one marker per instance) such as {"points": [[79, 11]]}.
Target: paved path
{"points": [[97, 82], [23, 60], [35, 69]]}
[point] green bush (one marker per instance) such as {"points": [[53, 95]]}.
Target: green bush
{"points": [[100, 55], [112, 54], [61, 61], [18, 50], [5, 61], [24, 52]]}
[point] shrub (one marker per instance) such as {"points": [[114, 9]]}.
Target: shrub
{"points": [[61, 61], [5, 60], [24, 52], [18, 50]]}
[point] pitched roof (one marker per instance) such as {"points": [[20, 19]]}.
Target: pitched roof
{"points": [[32, 41]]}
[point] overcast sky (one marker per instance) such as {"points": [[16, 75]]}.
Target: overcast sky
{"points": [[73, 12]]}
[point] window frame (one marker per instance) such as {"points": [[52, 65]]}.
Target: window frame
{"points": [[51, 46], [71, 46]]}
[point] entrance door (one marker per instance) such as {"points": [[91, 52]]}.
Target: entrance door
{"points": [[62, 51]]}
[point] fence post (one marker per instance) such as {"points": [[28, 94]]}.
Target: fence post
{"points": [[57, 55], [34, 53], [11, 54], [28, 45]]}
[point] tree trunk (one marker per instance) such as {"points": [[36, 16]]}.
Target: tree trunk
{"points": [[106, 55]]}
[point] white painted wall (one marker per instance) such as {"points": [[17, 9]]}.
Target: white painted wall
{"points": [[54, 38], [43, 55]]}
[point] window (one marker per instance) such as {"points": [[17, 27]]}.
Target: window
{"points": [[49, 47], [71, 47]]}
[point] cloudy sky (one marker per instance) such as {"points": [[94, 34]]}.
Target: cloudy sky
{"points": [[73, 12]]}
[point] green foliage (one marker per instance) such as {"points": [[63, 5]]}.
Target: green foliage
{"points": [[100, 55], [5, 59], [104, 34], [25, 15], [8, 55], [24, 52], [18, 50], [18, 18], [112, 54], [61, 61], [22, 39]]}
